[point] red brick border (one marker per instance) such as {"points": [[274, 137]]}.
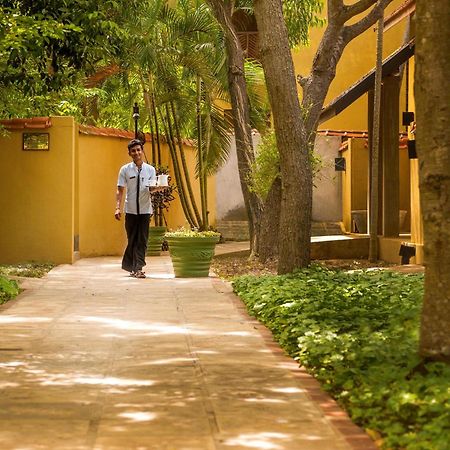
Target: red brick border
{"points": [[355, 436]]}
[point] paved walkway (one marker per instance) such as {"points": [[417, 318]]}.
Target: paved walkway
{"points": [[93, 359]]}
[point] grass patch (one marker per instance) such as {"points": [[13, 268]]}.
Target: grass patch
{"points": [[29, 269], [8, 289], [357, 333]]}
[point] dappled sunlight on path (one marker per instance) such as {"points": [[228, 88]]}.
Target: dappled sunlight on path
{"points": [[94, 359]]}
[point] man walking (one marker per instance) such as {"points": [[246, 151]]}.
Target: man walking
{"points": [[136, 177]]}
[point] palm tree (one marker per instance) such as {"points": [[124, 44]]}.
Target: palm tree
{"points": [[174, 60]]}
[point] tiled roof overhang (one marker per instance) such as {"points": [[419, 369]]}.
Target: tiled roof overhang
{"points": [[107, 132], [38, 123], [367, 82], [399, 14]]}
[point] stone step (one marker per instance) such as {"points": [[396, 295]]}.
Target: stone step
{"points": [[326, 229], [233, 230], [237, 230]]}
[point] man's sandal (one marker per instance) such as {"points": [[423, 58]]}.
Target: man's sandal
{"points": [[139, 274]]}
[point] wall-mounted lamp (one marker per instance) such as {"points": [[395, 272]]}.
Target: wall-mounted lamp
{"points": [[412, 154], [407, 118], [339, 164], [136, 119]]}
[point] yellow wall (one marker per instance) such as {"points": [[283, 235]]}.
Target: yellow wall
{"points": [[100, 158], [359, 57], [37, 201], [354, 180], [67, 194], [99, 161], [404, 188]]}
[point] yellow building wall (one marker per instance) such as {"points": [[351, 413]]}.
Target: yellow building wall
{"points": [[354, 180], [359, 57], [59, 204], [37, 201], [99, 161], [100, 158]]}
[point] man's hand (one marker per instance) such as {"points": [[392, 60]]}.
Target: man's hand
{"points": [[117, 214]]}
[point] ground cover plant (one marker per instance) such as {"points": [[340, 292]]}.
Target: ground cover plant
{"points": [[29, 269], [8, 289], [357, 333]]}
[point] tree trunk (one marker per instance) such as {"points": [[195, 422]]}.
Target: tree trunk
{"points": [[292, 141], [177, 171], [375, 149], [184, 167], [241, 117], [433, 148], [270, 223], [200, 158]]}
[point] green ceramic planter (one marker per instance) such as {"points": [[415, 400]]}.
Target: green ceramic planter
{"points": [[191, 256], [155, 239]]}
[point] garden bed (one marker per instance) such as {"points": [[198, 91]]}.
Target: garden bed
{"points": [[357, 333]]}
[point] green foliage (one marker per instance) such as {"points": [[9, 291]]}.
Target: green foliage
{"points": [[8, 289], [300, 16], [47, 46], [357, 333], [185, 232], [266, 167]]}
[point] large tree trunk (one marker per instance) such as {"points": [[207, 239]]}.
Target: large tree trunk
{"points": [[241, 116], [270, 223], [296, 173], [433, 149]]}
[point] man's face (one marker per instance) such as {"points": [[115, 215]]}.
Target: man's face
{"points": [[136, 153]]}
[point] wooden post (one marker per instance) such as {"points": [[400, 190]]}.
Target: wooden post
{"points": [[373, 211], [390, 98]]}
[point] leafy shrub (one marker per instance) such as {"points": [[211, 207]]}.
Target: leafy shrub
{"points": [[8, 289], [357, 333], [185, 232], [266, 167]]}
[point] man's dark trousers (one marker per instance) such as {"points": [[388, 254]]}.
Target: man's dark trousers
{"points": [[136, 226]]}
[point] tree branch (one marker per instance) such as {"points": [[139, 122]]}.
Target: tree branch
{"points": [[301, 80], [357, 8], [351, 31], [334, 10]]}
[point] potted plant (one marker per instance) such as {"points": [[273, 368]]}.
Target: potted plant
{"points": [[191, 251], [160, 201]]}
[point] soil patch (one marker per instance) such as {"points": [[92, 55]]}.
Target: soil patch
{"points": [[229, 265]]}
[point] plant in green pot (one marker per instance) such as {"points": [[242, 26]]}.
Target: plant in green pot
{"points": [[160, 200], [191, 251]]}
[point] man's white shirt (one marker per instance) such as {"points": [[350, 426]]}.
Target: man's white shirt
{"points": [[128, 178]]}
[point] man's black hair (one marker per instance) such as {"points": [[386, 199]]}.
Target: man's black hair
{"points": [[134, 142]]}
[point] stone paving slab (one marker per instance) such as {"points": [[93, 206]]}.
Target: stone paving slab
{"points": [[92, 359]]}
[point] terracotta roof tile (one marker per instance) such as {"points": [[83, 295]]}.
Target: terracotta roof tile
{"points": [[20, 124], [109, 132], [399, 14], [115, 132]]}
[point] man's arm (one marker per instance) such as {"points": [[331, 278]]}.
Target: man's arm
{"points": [[119, 196]]}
